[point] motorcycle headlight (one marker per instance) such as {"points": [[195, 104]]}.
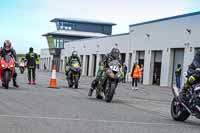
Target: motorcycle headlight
{"points": [[2, 65]]}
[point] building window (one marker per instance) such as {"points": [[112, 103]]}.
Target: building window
{"points": [[59, 43]]}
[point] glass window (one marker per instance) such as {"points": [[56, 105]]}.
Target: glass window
{"points": [[55, 43], [61, 43]]}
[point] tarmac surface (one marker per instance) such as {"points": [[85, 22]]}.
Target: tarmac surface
{"points": [[38, 109]]}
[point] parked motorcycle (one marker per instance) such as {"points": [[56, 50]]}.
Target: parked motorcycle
{"points": [[112, 75], [181, 110], [75, 72], [22, 67], [7, 68]]}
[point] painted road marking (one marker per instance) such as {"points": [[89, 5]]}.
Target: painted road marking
{"points": [[97, 121]]}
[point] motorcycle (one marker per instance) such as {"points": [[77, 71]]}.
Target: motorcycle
{"points": [[22, 67], [110, 84], [74, 76], [7, 68], [181, 110]]}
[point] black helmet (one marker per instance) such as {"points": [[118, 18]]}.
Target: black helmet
{"points": [[74, 54], [30, 49], [115, 52], [7, 45]]}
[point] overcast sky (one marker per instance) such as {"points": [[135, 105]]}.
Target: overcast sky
{"points": [[24, 21]]}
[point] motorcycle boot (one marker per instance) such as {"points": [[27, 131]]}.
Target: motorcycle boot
{"points": [[90, 92], [15, 83], [93, 86], [34, 83], [14, 80], [99, 96]]}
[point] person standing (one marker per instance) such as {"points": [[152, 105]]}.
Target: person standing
{"points": [[45, 67], [142, 70], [31, 65], [136, 75], [125, 72], [38, 63], [178, 76]]}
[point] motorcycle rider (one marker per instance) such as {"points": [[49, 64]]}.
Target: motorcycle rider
{"points": [[22, 63], [72, 59], [9, 50], [103, 66], [193, 75]]}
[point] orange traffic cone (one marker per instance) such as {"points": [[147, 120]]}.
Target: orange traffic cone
{"points": [[53, 83]]}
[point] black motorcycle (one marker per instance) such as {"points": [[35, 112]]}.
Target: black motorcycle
{"points": [[109, 85], [182, 109]]}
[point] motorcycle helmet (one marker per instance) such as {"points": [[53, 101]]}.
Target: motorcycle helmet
{"points": [[31, 50], [115, 52], [7, 45], [74, 54]]}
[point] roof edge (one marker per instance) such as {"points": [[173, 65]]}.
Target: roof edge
{"points": [[167, 18], [101, 37], [83, 21]]}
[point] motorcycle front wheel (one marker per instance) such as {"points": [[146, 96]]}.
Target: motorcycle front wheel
{"points": [[178, 112], [6, 79], [110, 90], [76, 79]]}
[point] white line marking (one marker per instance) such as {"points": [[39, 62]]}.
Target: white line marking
{"points": [[87, 120]]}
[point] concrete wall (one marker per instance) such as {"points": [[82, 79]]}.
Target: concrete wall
{"points": [[46, 59], [165, 35]]}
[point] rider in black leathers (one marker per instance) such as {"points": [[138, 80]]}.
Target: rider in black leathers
{"points": [[9, 50], [193, 75]]}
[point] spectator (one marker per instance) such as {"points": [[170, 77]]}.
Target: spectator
{"points": [[31, 65], [124, 72], [136, 75], [142, 70], [178, 76], [45, 67], [37, 63]]}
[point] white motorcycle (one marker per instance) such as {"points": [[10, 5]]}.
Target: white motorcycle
{"points": [[22, 67]]}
